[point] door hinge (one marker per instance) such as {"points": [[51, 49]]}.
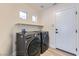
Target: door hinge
{"points": [[76, 49], [76, 12]]}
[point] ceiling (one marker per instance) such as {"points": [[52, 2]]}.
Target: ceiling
{"points": [[44, 5], [41, 6]]}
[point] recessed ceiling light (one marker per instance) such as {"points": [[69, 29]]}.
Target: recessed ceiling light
{"points": [[54, 4], [47, 5], [42, 6]]}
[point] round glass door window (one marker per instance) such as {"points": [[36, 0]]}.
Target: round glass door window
{"points": [[34, 47]]}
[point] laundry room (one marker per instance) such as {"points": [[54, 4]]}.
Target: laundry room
{"points": [[39, 29]]}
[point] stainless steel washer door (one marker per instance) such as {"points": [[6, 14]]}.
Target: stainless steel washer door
{"points": [[34, 47]]}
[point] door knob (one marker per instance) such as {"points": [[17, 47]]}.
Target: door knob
{"points": [[56, 30]]}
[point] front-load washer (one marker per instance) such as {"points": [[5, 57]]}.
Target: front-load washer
{"points": [[28, 44]]}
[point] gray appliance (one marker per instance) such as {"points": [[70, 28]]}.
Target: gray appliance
{"points": [[28, 44], [44, 41]]}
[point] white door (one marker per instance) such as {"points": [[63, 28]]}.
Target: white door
{"points": [[66, 30]]}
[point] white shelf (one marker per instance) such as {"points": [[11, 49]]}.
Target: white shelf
{"points": [[29, 25]]}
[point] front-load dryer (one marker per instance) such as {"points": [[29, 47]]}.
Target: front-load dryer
{"points": [[44, 41], [28, 44]]}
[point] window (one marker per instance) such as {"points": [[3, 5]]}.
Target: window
{"points": [[23, 15], [34, 18]]}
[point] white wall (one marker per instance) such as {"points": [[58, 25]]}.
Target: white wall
{"points": [[9, 16], [48, 19]]}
